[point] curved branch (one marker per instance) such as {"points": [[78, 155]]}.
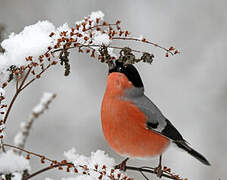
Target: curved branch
{"points": [[18, 90], [145, 41], [165, 172], [152, 171], [45, 169]]}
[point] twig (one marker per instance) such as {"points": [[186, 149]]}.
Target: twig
{"points": [[25, 77], [17, 82], [144, 41], [10, 105], [95, 45], [59, 164], [29, 152], [101, 25], [45, 169], [18, 90], [152, 171], [25, 130], [37, 77]]}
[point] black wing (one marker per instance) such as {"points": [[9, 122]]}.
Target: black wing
{"points": [[172, 133]]}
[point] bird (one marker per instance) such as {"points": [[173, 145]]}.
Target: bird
{"points": [[132, 124]]}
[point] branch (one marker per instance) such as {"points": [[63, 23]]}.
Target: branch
{"points": [[166, 172], [46, 169], [10, 105], [21, 138], [18, 90], [95, 45], [37, 76], [144, 41], [22, 87]]}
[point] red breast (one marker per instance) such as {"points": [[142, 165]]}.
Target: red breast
{"points": [[124, 124]]}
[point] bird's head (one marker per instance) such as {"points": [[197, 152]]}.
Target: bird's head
{"points": [[123, 77]]}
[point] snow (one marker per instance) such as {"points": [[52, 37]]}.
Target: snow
{"points": [[140, 37], [17, 176], [2, 92], [94, 163], [21, 136], [102, 39], [32, 41], [99, 157], [19, 139], [11, 162], [71, 154], [46, 98], [35, 39], [97, 14], [83, 177], [47, 178]]}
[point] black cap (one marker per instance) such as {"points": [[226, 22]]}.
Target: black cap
{"points": [[129, 71]]}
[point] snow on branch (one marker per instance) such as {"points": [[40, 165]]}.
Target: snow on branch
{"points": [[3, 106], [25, 127], [98, 166], [39, 42], [11, 163]]}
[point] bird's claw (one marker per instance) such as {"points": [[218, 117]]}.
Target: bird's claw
{"points": [[122, 165], [158, 170]]}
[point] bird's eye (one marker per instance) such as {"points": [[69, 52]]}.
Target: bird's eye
{"points": [[119, 69]]}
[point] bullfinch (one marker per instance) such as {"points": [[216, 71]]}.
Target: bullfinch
{"points": [[132, 124]]}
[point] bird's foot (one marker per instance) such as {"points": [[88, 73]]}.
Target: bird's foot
{"points": [[158, 170], [122, 165]]}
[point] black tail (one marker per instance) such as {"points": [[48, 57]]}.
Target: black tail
{"points": [[191, 151]]}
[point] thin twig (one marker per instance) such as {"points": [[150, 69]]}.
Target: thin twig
{"points": [[45, 169], [25, 77], [95, 45], [10, 106], [101, 25], [25, 131], [132, 168], [148, 42], [149, 170], [29, 152], [17, 82], [141, 172], [38, 75], [15, 95]]}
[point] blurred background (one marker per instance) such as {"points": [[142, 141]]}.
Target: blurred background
{"points": [[189, 88]]}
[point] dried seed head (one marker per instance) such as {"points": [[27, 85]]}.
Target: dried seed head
{"points": [[171, 48], [4, 84], [43, 159], [75, 170], [63, 162], [28, 156], [51, 34], [176, 52]]}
